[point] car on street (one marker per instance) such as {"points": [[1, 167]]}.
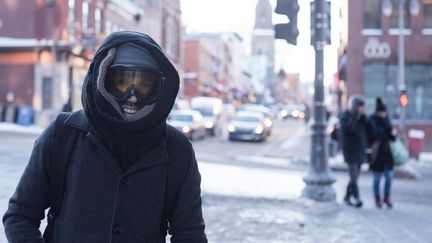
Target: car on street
{"points": [[266, 112], [189, 122], [293, 111], [248, 125], [211, 109]]}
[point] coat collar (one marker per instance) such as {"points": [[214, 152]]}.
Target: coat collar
{"points": [[156, 156]]}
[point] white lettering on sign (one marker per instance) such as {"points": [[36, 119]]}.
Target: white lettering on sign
{"points": [[376, 49]]}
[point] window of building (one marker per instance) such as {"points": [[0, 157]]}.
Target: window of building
{"points": [[71, 20], [85, 15], [427, 14], [394, 18], [372, 14], [98, 21], [47, 93], [379, 77]]}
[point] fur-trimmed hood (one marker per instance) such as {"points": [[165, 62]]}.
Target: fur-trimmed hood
{"points": [[140, 134]]}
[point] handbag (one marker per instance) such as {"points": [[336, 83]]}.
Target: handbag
{"points": [[399, 152]]}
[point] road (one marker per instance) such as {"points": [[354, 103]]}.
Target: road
{"points": [[243, 219]]}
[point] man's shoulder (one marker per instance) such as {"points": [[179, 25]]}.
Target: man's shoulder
{"points": [[177, 139]]}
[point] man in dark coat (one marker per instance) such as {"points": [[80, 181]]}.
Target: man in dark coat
{"points": [[354, 126], [116, 183], [382, 159]]}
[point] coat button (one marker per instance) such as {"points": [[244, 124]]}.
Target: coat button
{"points": [[124, 181], [116, 229]]}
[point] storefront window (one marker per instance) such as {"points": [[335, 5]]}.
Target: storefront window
{"points": [[427, 14], [372, 14], [394, 18], [381, 80]]}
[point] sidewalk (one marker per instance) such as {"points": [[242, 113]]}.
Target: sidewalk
{"points": [[264, 205], [7, 127]]}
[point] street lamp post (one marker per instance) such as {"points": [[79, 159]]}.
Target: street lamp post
{"points": [[387, 11], [319, 179]]}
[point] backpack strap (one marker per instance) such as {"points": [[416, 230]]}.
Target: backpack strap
{"points": [[176, 174], [61, 146]]}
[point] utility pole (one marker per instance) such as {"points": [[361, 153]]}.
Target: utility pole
{"points": [[319, 179], [401, 66]]}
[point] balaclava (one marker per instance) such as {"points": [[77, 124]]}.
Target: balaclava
{"points": [[128, 55], [128, 140]]}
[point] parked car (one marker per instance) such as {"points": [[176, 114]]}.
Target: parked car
{"points": [[249, 126], [190, 122], [211, 109], [266, 112]]}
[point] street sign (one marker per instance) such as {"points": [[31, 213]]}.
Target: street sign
{"points": [[321, 20]]}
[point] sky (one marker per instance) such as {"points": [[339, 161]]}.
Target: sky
{"points": [[239, 16]]}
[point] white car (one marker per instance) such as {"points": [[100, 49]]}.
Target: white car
{"points": [[248, 125], [189, 122]]}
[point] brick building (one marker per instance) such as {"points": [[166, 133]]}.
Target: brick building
{"points": [[369, 54], [46, 45]]}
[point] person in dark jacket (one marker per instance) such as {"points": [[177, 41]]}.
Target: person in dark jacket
{"points": [[117, 180], [382, 159], [354, 127]]}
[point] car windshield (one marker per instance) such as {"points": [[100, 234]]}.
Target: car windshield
{"points": [[247, 119], [180, 117], [205, 112]]}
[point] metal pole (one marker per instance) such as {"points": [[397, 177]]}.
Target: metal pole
{"points": [[401, 66], [319, 180]]}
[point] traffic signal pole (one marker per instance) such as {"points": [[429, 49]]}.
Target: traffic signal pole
{"points": [[319, 179]]}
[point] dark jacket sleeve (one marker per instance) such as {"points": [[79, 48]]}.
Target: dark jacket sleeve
{"points": [[187, 223], [27, 205]]}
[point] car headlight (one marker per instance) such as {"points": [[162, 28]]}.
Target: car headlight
{"points": [[268, 122], [186, 129], [208, 124], [231, 128], [295, 113], [284, 113], [259, 129]]}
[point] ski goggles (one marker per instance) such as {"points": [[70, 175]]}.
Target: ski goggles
{"points": [[123, 82]]}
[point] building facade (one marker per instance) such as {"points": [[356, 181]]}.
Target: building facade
{"points": [[369, 58], [46, 46], [263, 45]]}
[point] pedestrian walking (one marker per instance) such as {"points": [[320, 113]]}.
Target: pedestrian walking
{"points": [[382, 159], [114, 171], [354, 127]]}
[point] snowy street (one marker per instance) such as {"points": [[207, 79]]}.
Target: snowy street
{"points": [[251, 193]]}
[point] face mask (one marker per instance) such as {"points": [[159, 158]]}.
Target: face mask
{"points": [[123, 83]]}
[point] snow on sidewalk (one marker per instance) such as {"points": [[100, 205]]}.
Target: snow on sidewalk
{"points": [[231, 180], [15, 128]]}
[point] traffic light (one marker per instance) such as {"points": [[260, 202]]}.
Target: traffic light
{"points": [[403, 99], [287, 31]]}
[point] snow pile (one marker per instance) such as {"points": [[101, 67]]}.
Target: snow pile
{"points": [[238, 181]]}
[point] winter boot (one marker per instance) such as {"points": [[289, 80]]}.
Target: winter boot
{"points": [[357, 202], [347, 198], [387, 201], [378, 202]]}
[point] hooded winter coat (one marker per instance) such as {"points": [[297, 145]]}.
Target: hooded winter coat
{"points": [[382, 135], [355, 129], [102, 201]]}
